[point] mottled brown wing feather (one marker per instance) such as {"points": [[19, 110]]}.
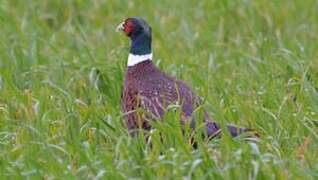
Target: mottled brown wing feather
{"points": [[158, 92]]}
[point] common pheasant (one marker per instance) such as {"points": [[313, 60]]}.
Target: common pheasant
{"points": [[151, 90]]}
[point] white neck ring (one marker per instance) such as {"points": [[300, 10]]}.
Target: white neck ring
{"points": [[135, 59]]}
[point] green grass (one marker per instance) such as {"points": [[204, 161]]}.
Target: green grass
{"points": [[61, 71]]}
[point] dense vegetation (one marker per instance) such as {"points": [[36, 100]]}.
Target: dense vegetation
{"points": [[255, 64]]}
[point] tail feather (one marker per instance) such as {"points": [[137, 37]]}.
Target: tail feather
{"points": [[214, 131]]}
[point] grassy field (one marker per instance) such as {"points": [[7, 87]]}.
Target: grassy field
{"points": [[61, 72]]}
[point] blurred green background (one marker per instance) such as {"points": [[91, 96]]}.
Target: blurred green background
{"points": [[61, 72]]}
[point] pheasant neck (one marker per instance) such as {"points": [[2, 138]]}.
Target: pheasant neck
{"points": [[140, 49]]}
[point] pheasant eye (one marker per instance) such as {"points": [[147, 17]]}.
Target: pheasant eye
{"points": [[129, 27]]}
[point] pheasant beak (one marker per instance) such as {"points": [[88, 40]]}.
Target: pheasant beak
{"points": [[120, 27]]}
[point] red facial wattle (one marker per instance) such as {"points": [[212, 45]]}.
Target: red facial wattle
{"points": [[128, 27]]}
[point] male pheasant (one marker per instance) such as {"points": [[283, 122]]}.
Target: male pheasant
{"points": [[149, 89]]}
